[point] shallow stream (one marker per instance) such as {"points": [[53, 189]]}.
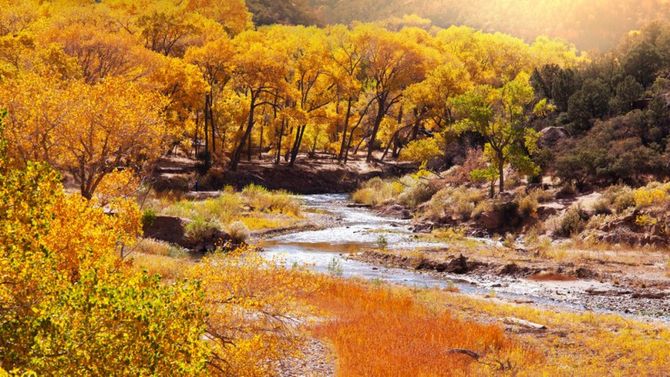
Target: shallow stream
{"points": [[356, 229]]}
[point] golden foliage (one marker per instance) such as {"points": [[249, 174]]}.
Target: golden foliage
{"points": [[70, 307]]}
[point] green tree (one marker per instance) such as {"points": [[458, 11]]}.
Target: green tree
{"points": [[501, 117]]}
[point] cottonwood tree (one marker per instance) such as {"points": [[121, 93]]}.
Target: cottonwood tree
{"points": [[260, 72], [216, 63], [391, 64], [346, 59], [500, 116], [86, 130]]}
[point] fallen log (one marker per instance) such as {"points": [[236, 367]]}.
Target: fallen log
{"points": [[465, 352], [524, 323]]}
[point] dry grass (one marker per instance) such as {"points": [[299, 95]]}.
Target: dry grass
{"points": [[165, 266], [378, 330], [152, 247], [576, 344], [256, 207], [377, 192], [381, 331]]}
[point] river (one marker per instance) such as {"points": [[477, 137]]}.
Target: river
{"points": [[355, 229]]}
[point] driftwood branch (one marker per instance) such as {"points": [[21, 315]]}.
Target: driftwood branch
{"points": [[524, 323], [465, 352]]}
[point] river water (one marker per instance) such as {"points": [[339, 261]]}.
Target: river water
{"points": [[356, 229]]}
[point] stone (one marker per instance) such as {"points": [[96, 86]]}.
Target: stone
{"points": [[551, 136]]}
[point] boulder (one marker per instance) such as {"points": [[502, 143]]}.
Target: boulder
{"points": [[173, 230], [172, 182], [502, 218], [166, 228], [396, 211], [551, 136]]}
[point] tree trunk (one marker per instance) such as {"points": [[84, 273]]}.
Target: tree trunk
{"points": [[501, 172], [249, 147], [281, 136], [296, 146], [260, 144], [316, 139], [344, 131], [237, 155], [206, 124], [381, 111], [211, 121]]}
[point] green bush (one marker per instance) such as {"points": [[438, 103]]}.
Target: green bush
{"points": [[148, 217], [572, 222], [620, 198], [200, 229]]}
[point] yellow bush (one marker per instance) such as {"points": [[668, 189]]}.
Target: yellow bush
{"points": [[377, 191], [646, 220], [68, 300], [653, 194]]}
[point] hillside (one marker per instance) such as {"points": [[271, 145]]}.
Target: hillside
{"points": [[589, 24], [267, 12]]}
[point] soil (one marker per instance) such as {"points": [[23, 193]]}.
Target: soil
{"points": [[318, 361], [308, 176]]}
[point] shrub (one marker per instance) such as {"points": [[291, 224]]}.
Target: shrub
{"points": [[148, 217], [602, 207], [382, 242], [200, 229], [572, 222], [646, 221], [482, 207], [238, 232], [260, 199], [509, 241], [528, 205], [417, 194], [455, 202], [68, 302], [653, 194], [449, 234], [620, 197]]}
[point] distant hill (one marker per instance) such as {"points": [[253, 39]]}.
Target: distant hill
{"points": [[587, 23], [293, 12]]}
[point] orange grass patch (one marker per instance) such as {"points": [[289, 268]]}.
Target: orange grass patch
{"points": [[381, 331]]}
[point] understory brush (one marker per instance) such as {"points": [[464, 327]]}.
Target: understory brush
{"points": [[255, 207], [458, 203], [410, 190]]}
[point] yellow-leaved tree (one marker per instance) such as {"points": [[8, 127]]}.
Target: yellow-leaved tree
{"points": [[68, 305], [86, 130]]}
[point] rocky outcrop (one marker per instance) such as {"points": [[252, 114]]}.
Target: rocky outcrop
{"points": [[174, 230], [551, 136], [503, 217], [166, 228]]}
